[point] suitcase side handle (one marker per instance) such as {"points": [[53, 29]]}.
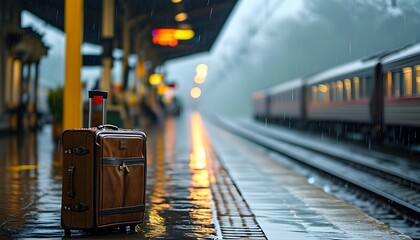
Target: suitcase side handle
{"points": [[70, 172], [104, 96]]}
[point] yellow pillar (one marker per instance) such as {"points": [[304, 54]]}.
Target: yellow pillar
{"points": [[108, 9], [17, 83], [73, 26]]}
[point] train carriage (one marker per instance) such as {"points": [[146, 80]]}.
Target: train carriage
{"points": [[377, 96], [260, 105], [342, 94], [401, 78], [286, 101]]}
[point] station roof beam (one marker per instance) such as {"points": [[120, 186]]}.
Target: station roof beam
{"points": [[205, 17]]}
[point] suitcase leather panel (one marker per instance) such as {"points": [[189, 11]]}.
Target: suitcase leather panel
{"points": [[78, 180], [121, 179]]}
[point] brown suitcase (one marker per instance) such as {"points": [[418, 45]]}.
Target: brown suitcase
{"points": [[104, 175]]}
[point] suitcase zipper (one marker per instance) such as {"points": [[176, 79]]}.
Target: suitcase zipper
{"points": [[126, 172], [125, 167]]}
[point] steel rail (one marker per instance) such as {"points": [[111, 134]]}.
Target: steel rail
{"points": [[377, 181]]}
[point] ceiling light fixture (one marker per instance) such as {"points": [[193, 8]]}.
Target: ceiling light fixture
{"points": [[180, 17]]}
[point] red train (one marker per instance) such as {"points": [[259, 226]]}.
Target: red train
{"points": [[376, 97]]}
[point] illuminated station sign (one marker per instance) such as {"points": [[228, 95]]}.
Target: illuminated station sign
{"points": [[171, 36]]}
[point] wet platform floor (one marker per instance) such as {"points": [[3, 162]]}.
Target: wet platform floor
{"points": [[202, 183]]}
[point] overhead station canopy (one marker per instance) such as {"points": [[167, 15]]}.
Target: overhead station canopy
{"points": [[147, 19]]}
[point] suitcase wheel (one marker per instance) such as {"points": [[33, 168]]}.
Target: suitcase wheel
{"points": [[66, 231]]}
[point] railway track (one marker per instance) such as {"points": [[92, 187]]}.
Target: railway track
{"points": [[400, 189]]}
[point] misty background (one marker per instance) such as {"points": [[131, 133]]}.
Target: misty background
{"points": [[264, 43]]}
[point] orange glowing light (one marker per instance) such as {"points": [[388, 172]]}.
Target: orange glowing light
{"points": [[141, 69], [195, 92], [199, 80], [162, 89], [170, 36], [180, 17], [201, 70], [183, 34], [201, 67], [155, 79], [323, 88]]}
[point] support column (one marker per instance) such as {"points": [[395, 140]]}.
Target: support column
{"points": [[36, 83], [73, 25], [27, 84], [16, 95], [16, 83], [126, 49], [25, 110], [107, 43], [2, 62]]}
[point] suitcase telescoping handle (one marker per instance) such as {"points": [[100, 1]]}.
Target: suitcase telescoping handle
{"points": [[99, 93]]}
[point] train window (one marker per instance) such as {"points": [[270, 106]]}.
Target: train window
{"points": [[339, 90], [408, 81], [314, 93], [369, 85], [347, 85], [418, 79], [295, 95], [320, 96], [388, 80], [333, 92], [396, 84], [356, 87], [324, 93], [308, 94], [364, 87]]}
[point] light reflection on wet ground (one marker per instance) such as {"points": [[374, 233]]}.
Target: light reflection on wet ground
{"points": [[179, 204], [190, 195], [30, 186]]}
